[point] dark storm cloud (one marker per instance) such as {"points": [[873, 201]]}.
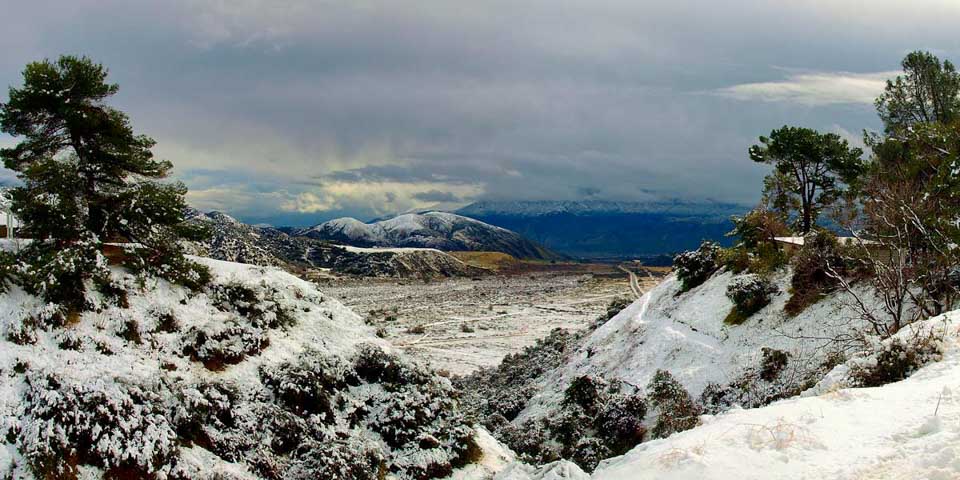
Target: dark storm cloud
{"points": [[306, 110]]}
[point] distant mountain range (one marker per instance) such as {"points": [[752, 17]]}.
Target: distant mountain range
{"points": [[234, 241], [605, 229], [440, 230]]}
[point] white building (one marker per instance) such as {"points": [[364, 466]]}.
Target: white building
{"points": [[8, 222]]}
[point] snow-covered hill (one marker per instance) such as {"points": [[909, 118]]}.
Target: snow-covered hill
{"points": [[686, 335], [909, 429], [440, 230], [234, 241], [904, 430], [259, 375]]}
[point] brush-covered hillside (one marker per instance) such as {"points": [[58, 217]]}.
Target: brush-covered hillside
{"points": [[256, 375]]}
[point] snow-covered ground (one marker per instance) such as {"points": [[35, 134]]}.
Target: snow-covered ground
{"points": [[461, 324], [904, 430], [685, 334]]}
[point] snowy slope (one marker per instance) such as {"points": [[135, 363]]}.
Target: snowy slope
{"points": [[686, 336], [187, 384], [440, 230], [904, 430]]}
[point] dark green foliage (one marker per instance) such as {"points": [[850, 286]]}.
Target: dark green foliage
{"points": [[219, 345], [896, 360], [695, 267], [772, 363], [815, 267], [307, 386], [586, 393], [87, 179], [676, 409], [8, 270], [734, 259], [927, 92], [809, 166], [261, 306], [749, 293]]}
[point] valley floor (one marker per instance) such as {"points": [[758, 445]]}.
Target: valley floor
{"points": [[462, 324]]}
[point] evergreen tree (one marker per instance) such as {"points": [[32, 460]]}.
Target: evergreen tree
{"points": [[88, 179], [927, 92], [809, 166]]}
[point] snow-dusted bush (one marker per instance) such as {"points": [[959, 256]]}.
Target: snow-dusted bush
{"points": [[676, 410], [307, 386], [530, 440], [749, 293], [217, 345], [262, 306], [695, 267], [894, 360], [812, 265], [113, 425], [346, 459]]}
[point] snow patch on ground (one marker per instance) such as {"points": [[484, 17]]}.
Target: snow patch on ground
{"points": [[904, 430]]}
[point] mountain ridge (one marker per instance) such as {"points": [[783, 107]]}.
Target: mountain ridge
{"points": [[441, 230]]}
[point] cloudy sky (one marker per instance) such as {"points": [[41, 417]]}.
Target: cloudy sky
{"points": [[293, 112]]}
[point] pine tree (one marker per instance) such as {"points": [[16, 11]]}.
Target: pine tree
{"points": [[88, 179], [809, 166]]}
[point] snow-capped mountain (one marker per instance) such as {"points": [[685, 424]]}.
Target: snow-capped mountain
{"points": [[440, 230], [234, 241], [652, 230]]}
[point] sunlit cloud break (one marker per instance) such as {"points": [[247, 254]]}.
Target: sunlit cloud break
{"points": [[814, 89]]}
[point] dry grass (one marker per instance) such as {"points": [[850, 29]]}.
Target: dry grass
{"points": [[488, 260]]}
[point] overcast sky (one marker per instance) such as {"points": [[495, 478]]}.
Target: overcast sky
{"points": [[293, 112]]}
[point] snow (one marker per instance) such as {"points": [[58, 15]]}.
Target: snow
{"points": [[322, 325], [495, 458], [904, 430], [685, 334], [388, 249], [559, 470]]}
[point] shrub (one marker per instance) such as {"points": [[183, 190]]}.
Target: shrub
{"points": [[676, 409], [736, 259], [346, 459], [585, 392], [811, 281], [749, 293], [530, 441], [620, 423], [772, 363], [695, 267], [114, 426], [307, 385], [8, 270], [613, 308], [217, 345], [262, 306], [896, 360]]}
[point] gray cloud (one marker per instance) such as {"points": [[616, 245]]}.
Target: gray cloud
{"points": [[299, 111], [437, 196]]}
